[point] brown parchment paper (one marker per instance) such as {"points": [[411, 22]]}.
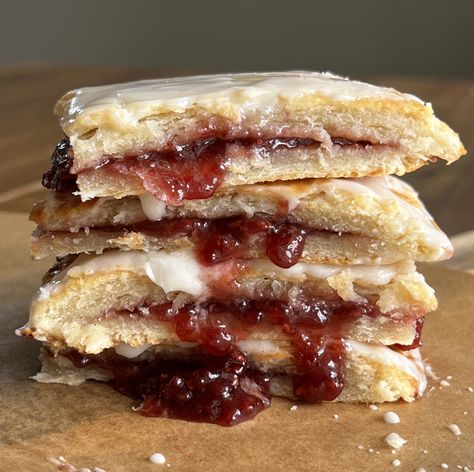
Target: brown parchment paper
{"points": [[93, 426]]}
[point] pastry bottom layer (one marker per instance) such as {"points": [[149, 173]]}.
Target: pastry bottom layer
{"points": [[178, 381]]}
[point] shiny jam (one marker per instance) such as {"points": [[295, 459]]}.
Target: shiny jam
{"points": [[223, 239], [190, 171], [227, 238], [219, 385]]}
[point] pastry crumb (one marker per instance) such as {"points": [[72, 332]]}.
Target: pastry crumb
{"points": [[373, 407], [444, 383], [444, 466], [294, 408], [395, 440], [396, 463], [391, 417], [157, 458], [455, 429]]}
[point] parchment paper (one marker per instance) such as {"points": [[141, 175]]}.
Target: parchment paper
{"points": [[93, 426]]}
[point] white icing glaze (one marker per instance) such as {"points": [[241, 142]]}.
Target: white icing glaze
{"points": [[153, 208], [173, 271], [130, 352], [367, 274], [409, 362], [180, 270], [129, 102]]}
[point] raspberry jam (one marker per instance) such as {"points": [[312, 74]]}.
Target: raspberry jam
{"points": [[59, 177], [223, 239], [220, 390], [219, 384], [189, 171]]}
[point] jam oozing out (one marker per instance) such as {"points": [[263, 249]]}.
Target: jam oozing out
{"points": [[192, 171], [222, 390], [220, 240], [226, 238], [218, 385], [189, 171], [59, 177]]}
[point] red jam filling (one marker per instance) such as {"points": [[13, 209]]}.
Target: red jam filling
{"points": [[222, 387], [189, 171], [220, 390], [228, 238]]}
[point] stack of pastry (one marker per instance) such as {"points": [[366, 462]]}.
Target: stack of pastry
{"points": [[222, 239]]}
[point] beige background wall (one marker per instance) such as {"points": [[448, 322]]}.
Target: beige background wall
{"points": [[419, 37]]}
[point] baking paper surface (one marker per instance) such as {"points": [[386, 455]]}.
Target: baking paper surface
{"points": [[94, 426]]}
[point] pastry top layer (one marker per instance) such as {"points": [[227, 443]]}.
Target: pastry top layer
{"points": [[127, 119], [230, 94]]}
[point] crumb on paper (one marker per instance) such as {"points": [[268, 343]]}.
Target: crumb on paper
{"points": [[420, 469], [336, 417], [294, 408], [98, 469], [470, 389], [449, 377], [373, 407], [395, 440], [444, 383], [455, 429], [360, 446], [393, 451], [62, 464], [157, 458], [424, 451], [444, 466], [391, 417], [396, 463], [429, 371], [370, 450]]}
